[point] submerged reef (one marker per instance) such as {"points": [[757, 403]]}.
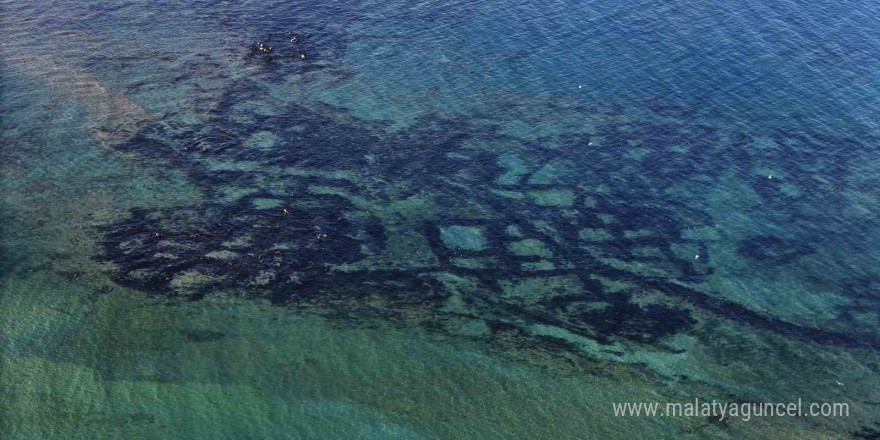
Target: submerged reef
{"points": [[773, 249], [462, 224]]}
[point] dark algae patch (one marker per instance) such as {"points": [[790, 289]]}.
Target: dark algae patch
{"points": [[773, 250], [315, 209]]}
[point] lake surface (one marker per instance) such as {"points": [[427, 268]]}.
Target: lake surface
{"points": [[437, 220]]}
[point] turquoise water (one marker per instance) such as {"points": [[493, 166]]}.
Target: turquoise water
{"points": [[447, 220]]}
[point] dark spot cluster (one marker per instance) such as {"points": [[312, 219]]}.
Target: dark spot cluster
{"points": [[542, 247], [233, 244], [773, 250]]}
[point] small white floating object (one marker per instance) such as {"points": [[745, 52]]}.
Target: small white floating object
{"points": [[697, 257], [579, 86], [770, 176], [839, 382]]}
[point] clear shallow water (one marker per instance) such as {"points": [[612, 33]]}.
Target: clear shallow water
{"points": [[451, 220]]}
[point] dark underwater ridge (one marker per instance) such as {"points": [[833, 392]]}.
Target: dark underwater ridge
{"points": [[436, 220]]}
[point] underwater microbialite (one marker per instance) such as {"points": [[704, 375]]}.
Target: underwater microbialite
{"points": [[454, 217]]}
